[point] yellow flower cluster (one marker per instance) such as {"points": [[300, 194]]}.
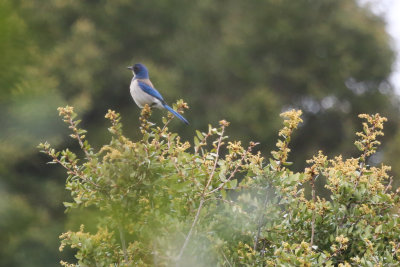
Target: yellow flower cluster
{"points": [[144, 116], [395, 248], [112, 115], [340, 171], [371, 130], [291, 122], [256, 158], [67, 113], [318, 162], [365, 209], [224, 123], [68, 110], [235, 147], [112, 154], [342, 240], [292, 119]]}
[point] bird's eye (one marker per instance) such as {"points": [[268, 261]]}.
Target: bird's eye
{"points": [[135, 69]]}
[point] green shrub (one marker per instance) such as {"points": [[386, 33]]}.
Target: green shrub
{"points": [[166, 202]]}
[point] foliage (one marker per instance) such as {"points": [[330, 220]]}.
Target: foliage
{"points": [[223, 204], [245, 61]]}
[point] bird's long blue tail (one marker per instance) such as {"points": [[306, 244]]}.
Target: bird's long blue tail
{"points": [[176, 114]]}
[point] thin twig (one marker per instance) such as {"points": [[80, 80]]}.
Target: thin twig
{"points": [[226, 258], [202, 143], [389, 184], [260, 222], [361, 172], [215, 163], [122, 237], [395, 249], [262, 217], [364, 158], [314, 208], [75, 171], [202, 199], [155, 259], [166, 124], [196, 218], [234, 171], [78, 137], [173, 159]]}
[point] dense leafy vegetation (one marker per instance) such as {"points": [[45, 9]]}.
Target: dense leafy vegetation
{"points": [[165, 203]]}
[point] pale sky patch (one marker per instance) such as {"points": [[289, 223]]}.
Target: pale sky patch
{"points": [[390, 10]]}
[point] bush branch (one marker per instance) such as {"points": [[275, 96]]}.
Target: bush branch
{"points": [[203, 195]]}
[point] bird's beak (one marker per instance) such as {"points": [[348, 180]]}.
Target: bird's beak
{"points": [[130, 68]]}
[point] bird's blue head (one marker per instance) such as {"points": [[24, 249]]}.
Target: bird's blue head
{"points": [[140, 71]]}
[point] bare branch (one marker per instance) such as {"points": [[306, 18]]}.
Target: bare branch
{"points": [[312, 181], [203, 195]]}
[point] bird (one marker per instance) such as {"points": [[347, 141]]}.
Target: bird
{"points": [[143, 91]]}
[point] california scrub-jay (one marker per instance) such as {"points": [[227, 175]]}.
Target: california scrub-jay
{"points": [[143, 91]]}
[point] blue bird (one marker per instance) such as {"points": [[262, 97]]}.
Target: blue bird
{"points": [[143, 91]]}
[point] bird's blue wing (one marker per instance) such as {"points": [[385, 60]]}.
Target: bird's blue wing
{"points": [[154, 93], [151, 91]]}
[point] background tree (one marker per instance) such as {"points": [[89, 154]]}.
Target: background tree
{"points": [[245, 62]]}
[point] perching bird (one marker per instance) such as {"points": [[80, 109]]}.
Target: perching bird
{"points": [[143, 91]]}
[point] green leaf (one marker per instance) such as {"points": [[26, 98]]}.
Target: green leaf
{"points": [[223, 193], [231, 184], [199, 135], [196, 141], [378, 229], [273, 163]]}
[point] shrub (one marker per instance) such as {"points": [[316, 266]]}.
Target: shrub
{"points": [[166, 202]]}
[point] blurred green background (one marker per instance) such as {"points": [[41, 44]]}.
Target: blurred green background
{"points": [[243, 61]]}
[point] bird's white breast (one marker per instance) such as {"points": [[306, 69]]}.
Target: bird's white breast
{"points": [[140, 97]]}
